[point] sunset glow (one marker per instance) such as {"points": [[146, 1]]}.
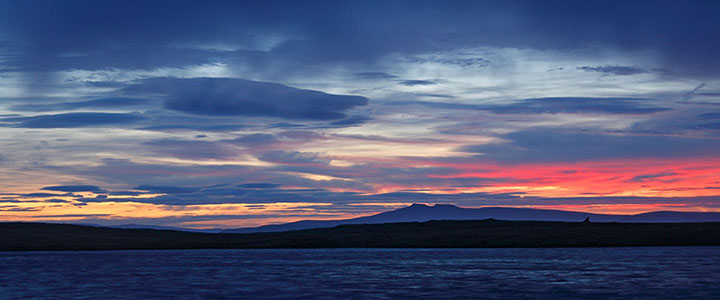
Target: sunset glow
{"points": [[245, 121]]}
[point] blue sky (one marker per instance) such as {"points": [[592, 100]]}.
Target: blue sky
{"points": [[229, 114]]}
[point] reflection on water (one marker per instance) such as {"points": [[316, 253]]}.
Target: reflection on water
{"points": [[602, 273]]}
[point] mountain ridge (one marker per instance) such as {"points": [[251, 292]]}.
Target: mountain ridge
{"points": [[422, 213]]}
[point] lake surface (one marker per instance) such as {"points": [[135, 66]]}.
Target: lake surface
{"points": [[557, 273]]}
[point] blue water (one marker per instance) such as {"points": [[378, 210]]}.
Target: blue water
{"points": [[565, 273]]}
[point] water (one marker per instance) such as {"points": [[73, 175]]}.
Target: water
{"points": [[595, 273]]}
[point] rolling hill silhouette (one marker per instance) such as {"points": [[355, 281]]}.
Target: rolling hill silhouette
{"points": [[19, 236], [422, 213]]}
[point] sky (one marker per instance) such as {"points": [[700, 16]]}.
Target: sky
{"points": [[224, 114]]}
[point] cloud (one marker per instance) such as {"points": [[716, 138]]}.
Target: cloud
{"points": [[449, 61], [239, 97], [89, 35], [41, 195], [442, 105], [649, 177], [712, 115], [293, 158], [125, 193], [167, 189], [74, 120], [190, 149], [375, 75], [417, 82], [553, 105], [711, 126], [259, 185], [15, 208], [286, 125], [549, 145], [351, 121], [138, 57], [577, 105], [86, 216], [615, 70], [259, 193], [74, 188], [489, 59], [183, 127], [102, 103], [254, 139], [160, 174], [434, 95]]}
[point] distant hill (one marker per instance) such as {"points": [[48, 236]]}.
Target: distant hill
{"points": [[141, 226], [422, 213], [432, 234]]}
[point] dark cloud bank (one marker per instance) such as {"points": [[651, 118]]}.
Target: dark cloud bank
{"points": [[40, 35], [239, 97]]}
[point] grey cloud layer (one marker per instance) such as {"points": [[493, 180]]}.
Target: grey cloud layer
{"points": [[554, 145], [190, 149], [102, 103], [74, 120], [615, 70], [166, 33], [74, 188], [579, 105], [238, 97], [554, 105]]}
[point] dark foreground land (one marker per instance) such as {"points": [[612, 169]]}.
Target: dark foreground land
{"points": [[431, 234]]}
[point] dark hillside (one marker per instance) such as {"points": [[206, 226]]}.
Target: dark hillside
{"points": [[431, 234]]}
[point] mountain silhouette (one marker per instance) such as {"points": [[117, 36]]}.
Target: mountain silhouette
{"points": [[422, 213], [156, 227], [21, 236]]}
